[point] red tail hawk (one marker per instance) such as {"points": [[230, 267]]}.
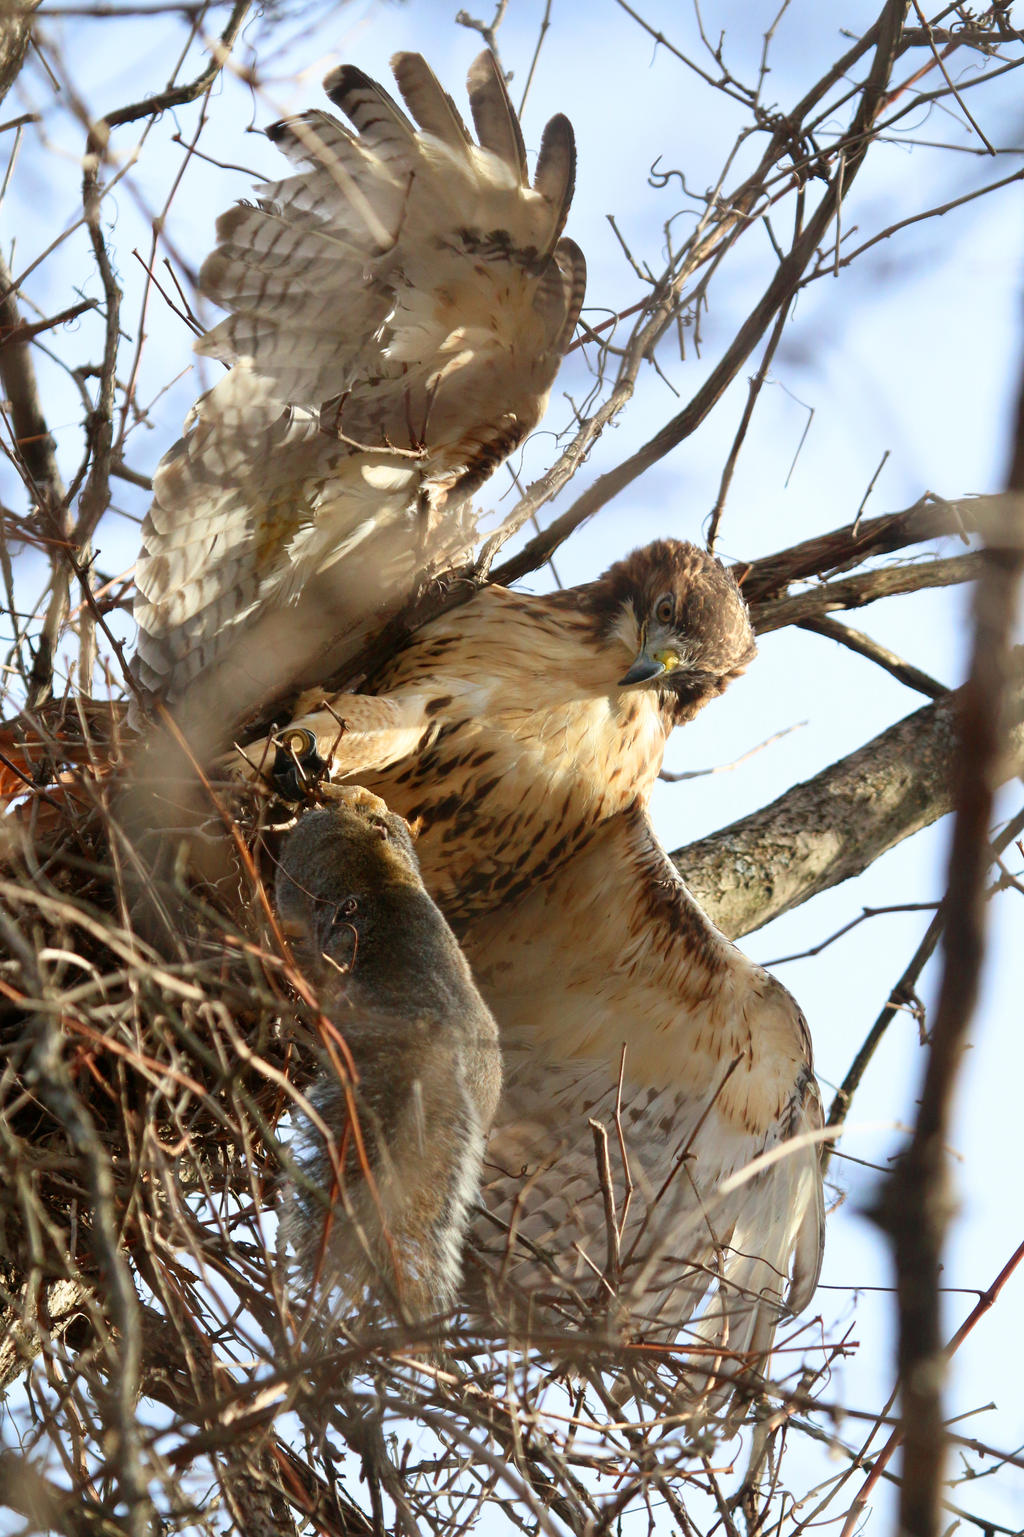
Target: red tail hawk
{"points": [[398, 311], [513, 726], [524, 735]]}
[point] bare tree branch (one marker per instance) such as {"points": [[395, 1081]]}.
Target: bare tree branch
{"points": [[863, 645], [838, 823]]}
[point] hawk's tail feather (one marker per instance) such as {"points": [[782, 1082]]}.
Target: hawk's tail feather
{"points": [[262, 265], [344, 181], [555, 176], [295, 356], [572, 264], [429, 102], [310, 138], [365, 102], [494, 116]]}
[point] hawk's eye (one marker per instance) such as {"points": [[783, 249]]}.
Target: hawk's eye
{"points": [[665, 608]]}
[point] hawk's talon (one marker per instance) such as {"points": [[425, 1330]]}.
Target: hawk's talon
{"points": [[298, 767]]}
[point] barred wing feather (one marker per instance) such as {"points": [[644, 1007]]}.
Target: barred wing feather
{"points": [[633, 1011], [397, 311]]}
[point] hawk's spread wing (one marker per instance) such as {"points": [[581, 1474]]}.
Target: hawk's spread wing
{"points": [[397, 313], [620, 1002]]}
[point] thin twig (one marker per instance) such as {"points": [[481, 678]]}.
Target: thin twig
{"points": [[864, 645]]}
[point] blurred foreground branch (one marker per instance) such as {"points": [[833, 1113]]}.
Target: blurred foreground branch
{"points": [[916, 1203]]}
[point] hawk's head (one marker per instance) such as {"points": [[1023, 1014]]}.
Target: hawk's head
{"points": [[682, 619]]}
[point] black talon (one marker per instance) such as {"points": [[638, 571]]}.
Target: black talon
{"points": [[297, 768]]}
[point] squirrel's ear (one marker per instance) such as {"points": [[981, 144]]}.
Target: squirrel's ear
{"points": [[415, 827]]}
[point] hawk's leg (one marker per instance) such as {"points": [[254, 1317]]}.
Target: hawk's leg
{"points": [[297, 767], [350, 734]]}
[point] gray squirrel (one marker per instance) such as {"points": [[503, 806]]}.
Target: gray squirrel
{"points": [[389, 974]]}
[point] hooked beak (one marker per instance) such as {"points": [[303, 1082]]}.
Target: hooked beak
{"points": [[649, 664], [643, 670]]}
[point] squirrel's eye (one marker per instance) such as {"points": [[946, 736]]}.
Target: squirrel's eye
{"points": [[664, 609], [346, 908]]}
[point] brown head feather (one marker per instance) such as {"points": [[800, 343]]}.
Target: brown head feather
{"points": [[709, 623]]}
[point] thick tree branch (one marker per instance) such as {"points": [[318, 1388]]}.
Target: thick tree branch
{"points": [[838, 823], [865, 587]]}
